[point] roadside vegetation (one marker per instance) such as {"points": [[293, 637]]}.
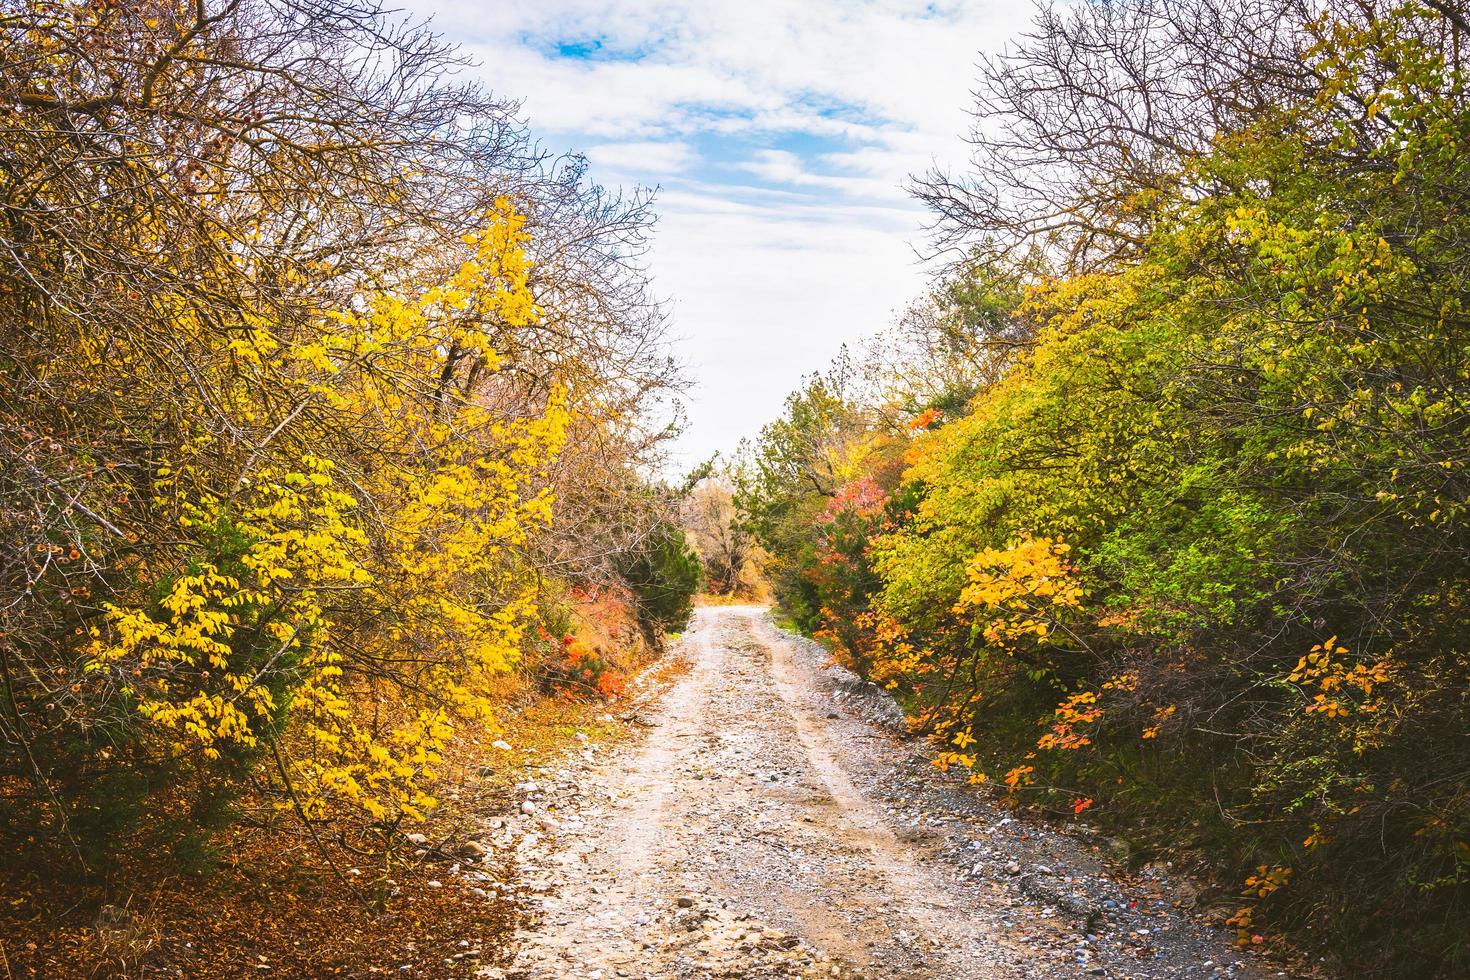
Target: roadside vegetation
{"points": [[326, 400], [1155, 510]]}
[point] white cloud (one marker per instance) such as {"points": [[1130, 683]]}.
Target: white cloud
{"points": [[910, 63], [764, 298], [785, 167], [773, 253], [641, 157]]}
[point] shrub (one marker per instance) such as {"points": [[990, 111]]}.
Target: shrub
{"points": [[663, 573]]}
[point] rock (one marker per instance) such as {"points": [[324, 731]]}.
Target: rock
{"points": [[434, 884], [1013, 868], [685, 902], [1186, 894], [500, 744], [419, 840], [528, 807], [473, 848]]}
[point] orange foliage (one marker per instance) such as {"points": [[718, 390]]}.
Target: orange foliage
{"points": [[1079, 709]]}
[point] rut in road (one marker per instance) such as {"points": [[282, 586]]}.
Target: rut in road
{"points": [[756, 831]]}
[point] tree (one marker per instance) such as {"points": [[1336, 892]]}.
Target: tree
{"points": [[709, 516], [1082, 129], [293, 327], [664, 573], [1191, 552]]}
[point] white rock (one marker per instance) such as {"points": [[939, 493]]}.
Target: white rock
{"points": [[500, 744]]}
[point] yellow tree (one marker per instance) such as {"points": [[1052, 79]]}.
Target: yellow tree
{"points": [[365, 555]]}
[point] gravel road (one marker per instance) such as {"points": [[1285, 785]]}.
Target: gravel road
{"points": [[771, 821]]}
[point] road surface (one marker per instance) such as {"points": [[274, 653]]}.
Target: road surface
{"points": [[772, 821]]}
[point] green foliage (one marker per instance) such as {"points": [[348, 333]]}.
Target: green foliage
{"points": [[795, 467], [663, 573], [1251, 436]]}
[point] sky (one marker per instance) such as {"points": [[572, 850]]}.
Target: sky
{"points": [[778, 134]]}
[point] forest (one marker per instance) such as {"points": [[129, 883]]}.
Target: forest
{"points": [[1154, 512]]}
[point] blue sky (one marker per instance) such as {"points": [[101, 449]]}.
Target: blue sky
{"points": [[779, 133]]}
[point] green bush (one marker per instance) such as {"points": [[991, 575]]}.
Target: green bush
{"points": [[663, 573]]}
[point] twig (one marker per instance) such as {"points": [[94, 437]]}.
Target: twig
{"points": [[310, 828]]}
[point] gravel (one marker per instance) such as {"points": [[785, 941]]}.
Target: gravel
{"points": [[771, 820]]}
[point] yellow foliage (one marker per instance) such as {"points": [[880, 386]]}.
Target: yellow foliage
{"points": [[1267, 880], [1017, 593], [362, 552], [1340, 690], [1078, 709]]}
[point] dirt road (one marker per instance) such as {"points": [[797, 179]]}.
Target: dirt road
{"points": [[771, 822]]}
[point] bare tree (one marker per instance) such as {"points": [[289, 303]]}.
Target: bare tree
{"points": [[1098, 107], [713, 524]]}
